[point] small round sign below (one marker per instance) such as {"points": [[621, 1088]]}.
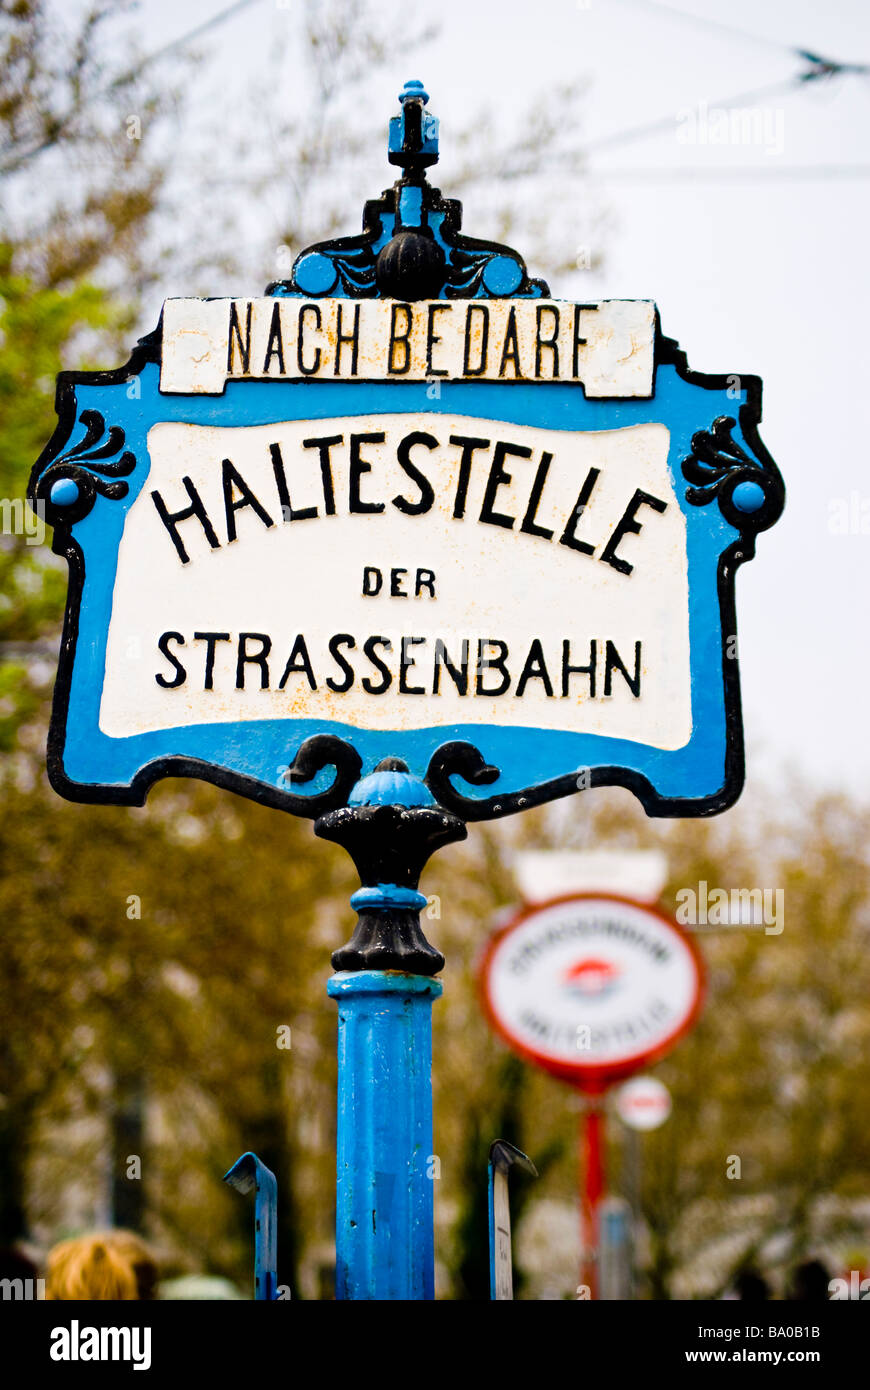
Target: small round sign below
{"points": [[643, 1103], [592, 987]]}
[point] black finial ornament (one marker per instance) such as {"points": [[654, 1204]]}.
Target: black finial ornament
{"points": [[413, 143], [411, 247], [411, 265], [390, 828]]}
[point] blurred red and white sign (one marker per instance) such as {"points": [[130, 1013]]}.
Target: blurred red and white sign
{"points": [[643, 1103], [592, 988]]}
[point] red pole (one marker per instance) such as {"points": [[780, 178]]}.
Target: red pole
{"points": [[592, 1189]]}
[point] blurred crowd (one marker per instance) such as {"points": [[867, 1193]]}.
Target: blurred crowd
{"points": [[119, 1265]]}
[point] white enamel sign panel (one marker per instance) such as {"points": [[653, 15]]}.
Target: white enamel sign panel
{"points": [[492, 537]]}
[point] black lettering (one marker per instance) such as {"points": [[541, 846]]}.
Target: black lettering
{"points": [[298, 661], [281, 480], [459, 676], [283, 493], [499, 478], [358, 466], [180, 673], [467, 369], [275, 345], [341, 639], [396, 591], [427, 492], [613, 662], [247, 658], [432, 338], [511, 341], [529, 525], [324, 445], [568, 670], [400, 339], [579, 340], [369, 649], [468, 447], [232, 478], [425, 580], [170, 519], [628, 524], [534, 669], [552, 342], [342, 339], [568, 536], [405, 664], [498, 664], [211, 640], [372, 581], [235, 339], [300, 338]]}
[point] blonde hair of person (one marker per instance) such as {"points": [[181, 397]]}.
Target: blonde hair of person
{"points": [[106, 1265]]}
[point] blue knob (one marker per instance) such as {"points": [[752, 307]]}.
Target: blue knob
{"points": [[502, 275], [315, 273], [413, 88], [748, 497], [65, 492]]}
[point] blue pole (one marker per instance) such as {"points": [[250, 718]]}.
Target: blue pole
{"points": [[384, 987], [384, 1191], [248, 1172]]}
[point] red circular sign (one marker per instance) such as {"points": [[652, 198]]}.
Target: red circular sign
{"points": [[591, 987]]}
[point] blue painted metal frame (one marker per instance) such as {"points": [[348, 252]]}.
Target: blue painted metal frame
{"points": [[86, 764], [246, 1173]]}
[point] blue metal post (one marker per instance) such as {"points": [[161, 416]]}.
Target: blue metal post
{"points": [[384, 1188], [384, 990], [246, 1173]]}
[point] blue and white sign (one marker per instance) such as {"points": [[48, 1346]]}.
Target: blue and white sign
{"points": [[405, 505]]}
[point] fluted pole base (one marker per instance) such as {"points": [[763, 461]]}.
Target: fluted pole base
{"points": [[385, 1165]]}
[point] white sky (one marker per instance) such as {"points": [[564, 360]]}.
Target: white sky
{"points": [[762, 273]]}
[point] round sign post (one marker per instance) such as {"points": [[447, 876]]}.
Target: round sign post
{"points": [[642, 1104], [592, 988]]}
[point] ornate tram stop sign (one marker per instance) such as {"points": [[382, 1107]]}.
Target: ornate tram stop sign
{"points": [[402, 544]]}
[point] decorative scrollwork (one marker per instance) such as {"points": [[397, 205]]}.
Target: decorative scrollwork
{"points": [[411, 247], [316, 753], [715, 456], [458, 759], [750, 496], [96, 465]]}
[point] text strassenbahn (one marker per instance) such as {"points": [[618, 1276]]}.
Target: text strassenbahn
{"points": [[408, 665]]}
